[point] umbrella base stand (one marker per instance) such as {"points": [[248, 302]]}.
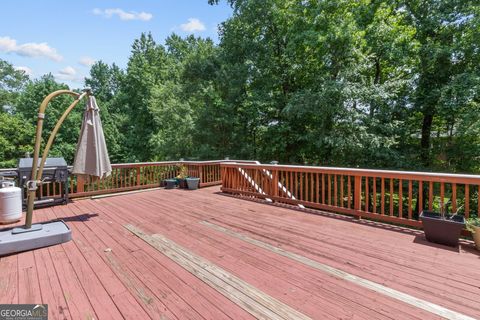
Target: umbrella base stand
{"points": [[46, 234]]}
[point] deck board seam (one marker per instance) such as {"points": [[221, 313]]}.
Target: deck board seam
{"points": [[116, 275], [210, 273], [192, 224], [419, 303], [91, 267], [102, 209], [404, 281]]}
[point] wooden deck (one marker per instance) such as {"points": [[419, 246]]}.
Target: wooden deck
{"points": [[178, 254]]}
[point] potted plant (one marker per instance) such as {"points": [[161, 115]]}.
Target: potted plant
{"points": [[182, 176], [441, 227], [473, 225], [170, 183], [193, 183]]}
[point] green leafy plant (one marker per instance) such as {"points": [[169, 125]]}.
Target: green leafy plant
{"points": [[182, 172], [473, 224]]}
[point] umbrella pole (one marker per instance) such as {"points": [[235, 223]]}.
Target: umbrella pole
{"points": [[36, 176]]}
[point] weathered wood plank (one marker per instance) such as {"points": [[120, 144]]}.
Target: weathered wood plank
{"points": [[419, 303], [248, 297]]}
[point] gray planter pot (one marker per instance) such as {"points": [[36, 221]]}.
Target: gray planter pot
{"points": [[442, 231], [193, 183], [170, 183]]}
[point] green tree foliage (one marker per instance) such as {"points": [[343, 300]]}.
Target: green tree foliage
{"points": [[16, 139], [27, 110], [105, 81], [11, 83]]}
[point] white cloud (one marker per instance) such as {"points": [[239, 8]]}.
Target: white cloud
{"points": [[27, 70], [123, 15], [68, 74], [30, 49], [68, 71], [7, 44], [86, 61], [193, 25]]}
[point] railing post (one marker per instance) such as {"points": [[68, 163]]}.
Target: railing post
{"points": [[80, 183], [274, 183], [138, 176], [357, 193], [200, 173]]}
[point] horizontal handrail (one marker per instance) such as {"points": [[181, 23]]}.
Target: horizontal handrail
{"points": [[426, 176]]}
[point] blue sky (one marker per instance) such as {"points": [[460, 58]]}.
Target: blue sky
{"points": [[65, 37]]}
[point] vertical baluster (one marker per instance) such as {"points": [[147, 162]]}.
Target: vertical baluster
{"points": [[367, 209], [323, 188], [454, 197], [382, 196], [287, 184], [442, 195], [410, 195], [311, 187], [329, 189], [374, 195], [301, 185], [335, 190], [391, 197], [430, 195], [420, 196], [400, 198], [357, 190], [349, 192], [467, 201], [317, 190], [341, 191], [296, 185]]}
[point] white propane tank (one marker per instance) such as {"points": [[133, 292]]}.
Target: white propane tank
{"points": [[10, 202]]}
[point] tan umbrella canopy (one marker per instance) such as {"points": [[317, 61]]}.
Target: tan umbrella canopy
{"points": [[91, 157]]}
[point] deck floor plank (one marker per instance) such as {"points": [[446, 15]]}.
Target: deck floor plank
{"points": [[50, 287], [208, 301], [366, 266], [9, 279], [106, 272], [28, 283], [76, 297], [252, 270], [126, 304]]}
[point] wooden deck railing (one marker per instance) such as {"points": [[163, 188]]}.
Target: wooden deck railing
{"points": [[391, 196], [134, 176]]}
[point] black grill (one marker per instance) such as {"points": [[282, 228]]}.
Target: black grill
{"points": [[55, 171]]}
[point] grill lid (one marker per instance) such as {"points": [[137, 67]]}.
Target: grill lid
{"points": [[26, 163]]}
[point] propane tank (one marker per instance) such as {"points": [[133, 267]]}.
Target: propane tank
{"points": [[10, 202]]}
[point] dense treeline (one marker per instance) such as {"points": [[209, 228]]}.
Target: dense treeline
{"points": [[382, 84]]}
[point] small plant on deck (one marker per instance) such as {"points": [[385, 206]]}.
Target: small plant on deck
{"points": [[473, 225], [182, 176]]}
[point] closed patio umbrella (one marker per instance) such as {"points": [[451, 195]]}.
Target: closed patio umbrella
{"points": [[91, 157]]}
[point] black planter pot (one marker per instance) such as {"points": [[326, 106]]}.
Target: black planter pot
{"points": [[193, 183], [170, 183], [182, 183], [442, 230]]}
